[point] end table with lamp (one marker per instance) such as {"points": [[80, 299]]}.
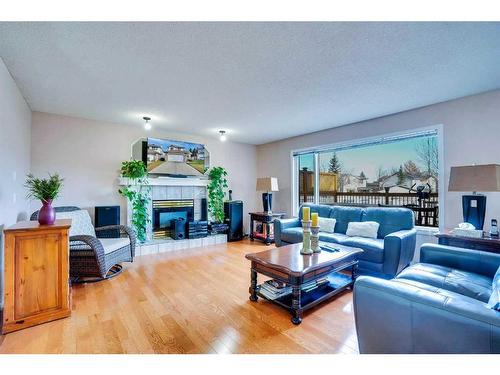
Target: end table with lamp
{"points": [[268, 185], [475, 178]]}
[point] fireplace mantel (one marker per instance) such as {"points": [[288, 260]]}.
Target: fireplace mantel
{"points": [[171, 181]]}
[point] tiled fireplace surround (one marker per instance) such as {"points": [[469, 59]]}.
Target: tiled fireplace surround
{"points": [[171, 189], [196, 193]]}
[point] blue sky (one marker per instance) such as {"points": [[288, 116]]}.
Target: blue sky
{"points": [[368, 159]]}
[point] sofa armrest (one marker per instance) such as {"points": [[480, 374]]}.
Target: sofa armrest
{"points": [[399, 249], [417, 320], [481, 262], [282, 224]]}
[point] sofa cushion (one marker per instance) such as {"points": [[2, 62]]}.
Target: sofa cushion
{"points": [[462, 282], [373, 248], [292, 235], [113, 244], [391, 219], [494, 301], [332, 237], [345, 215], [368, 229], [431, 288], [327, 224]]}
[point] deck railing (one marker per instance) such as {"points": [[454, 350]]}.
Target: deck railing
{"points": [[426, 212]]}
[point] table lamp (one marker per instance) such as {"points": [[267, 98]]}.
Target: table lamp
{"points": [[267, 185], [475, 178]]}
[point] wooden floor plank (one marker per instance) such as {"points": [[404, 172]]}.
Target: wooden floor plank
{"points": [[187, 301]]}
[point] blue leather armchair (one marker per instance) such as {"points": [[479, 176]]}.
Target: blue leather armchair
{"points": [[436, 306], [384, 256]]}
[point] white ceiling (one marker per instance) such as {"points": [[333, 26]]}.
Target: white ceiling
{"points": [[259, 81]]}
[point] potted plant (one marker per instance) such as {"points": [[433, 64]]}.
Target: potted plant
{"points": [[216, 194], [137, 193], [46, 190]]}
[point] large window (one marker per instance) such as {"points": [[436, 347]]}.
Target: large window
{"points": [[399, 171]]}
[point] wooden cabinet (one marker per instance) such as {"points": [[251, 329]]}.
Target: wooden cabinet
{"points": [[36, 274]]}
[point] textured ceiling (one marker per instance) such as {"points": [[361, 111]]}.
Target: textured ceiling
{"points": [[259, 81]]}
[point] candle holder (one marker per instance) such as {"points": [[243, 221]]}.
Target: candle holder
{"points": [[306, 238], [315, 239]]}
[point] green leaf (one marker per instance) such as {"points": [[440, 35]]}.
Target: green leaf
{"points": [[216, 192], [136, 194], [43, 189]]}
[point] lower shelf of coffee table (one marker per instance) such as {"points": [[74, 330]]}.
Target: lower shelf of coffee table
{"points": [[337, 282]]}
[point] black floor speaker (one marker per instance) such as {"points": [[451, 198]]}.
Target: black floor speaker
{"points": [[178, 231], [107, 215], [233, 211], [204, 209]]}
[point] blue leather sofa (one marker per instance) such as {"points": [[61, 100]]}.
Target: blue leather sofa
{"points": [[384, 256], [436, 306]]}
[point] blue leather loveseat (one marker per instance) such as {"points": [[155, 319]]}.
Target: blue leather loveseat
{"points": [[437, 306], [384, 256]]}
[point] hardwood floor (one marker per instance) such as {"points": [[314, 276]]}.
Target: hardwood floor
{"points": [[187, 301]]}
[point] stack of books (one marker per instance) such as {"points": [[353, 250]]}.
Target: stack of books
{"points": [[273, 289], [314, 284]]}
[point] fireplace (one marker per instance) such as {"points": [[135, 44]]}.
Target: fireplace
{"points": [[164, 211]]}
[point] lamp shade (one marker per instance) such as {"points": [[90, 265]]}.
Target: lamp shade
{"points": [[475, 178], [267, 184]]}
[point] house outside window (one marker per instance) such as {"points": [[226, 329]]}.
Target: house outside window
{"points": [[398, 171]]}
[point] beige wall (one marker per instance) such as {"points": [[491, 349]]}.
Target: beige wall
{"points": [[471, 129], [15, 125], [88, 155]]}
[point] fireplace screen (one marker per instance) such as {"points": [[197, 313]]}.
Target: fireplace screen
{"points": [[167, 217], [164, 211]]}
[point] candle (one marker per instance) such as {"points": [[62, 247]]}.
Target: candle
{"points": [[314, 218], [306, 213]]}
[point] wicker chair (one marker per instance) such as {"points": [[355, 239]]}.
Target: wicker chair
{"points": [[95, 253]]}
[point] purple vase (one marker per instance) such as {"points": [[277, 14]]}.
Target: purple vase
{"points": [[47, 214]]}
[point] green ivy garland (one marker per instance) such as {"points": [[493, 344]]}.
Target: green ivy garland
{"points": [[216, 193], [137, 193]]}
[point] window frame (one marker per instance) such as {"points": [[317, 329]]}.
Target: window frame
{"points": [[316, 150]]}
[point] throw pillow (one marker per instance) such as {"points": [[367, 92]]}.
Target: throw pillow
{"points": [[494, 301], [327, 225], [368, 229]]}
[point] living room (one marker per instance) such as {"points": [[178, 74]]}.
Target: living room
{"points": [[249, 187]]}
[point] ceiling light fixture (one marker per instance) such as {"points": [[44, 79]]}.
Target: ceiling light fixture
{"points": [[147, 125], [222, 135]]}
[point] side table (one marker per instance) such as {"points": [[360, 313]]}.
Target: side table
{"points": [[266, 219], [485, 243]]}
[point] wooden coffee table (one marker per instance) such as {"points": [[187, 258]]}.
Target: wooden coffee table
{"points": [[287, 265]]}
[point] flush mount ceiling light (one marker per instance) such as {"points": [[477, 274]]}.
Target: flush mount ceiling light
{"points": [[147, 125], [222, 135]]}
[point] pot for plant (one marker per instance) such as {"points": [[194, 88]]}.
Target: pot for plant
{"points": [[47, 214]]}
